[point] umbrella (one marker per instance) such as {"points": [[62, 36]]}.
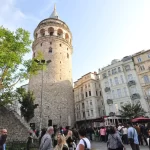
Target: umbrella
{"points": [[141, 119]]}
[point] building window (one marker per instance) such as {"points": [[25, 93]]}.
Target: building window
{"points": [[139, 59], [146, 79], [85, 86], [90, 102], [149, 55], [106, 84], [96, 93], [119, 93], [91, 112], [50, 43], [41, 44], [109, 73], [83, 114], [83, 105], [89, 93], [50, 50], [142, 68], [116, 81], [95, 85], [86, 94], [122, 79], [133, 90], [127, 68], [100, 93], [60, 62], [113, 94], [88, 113], [104, 75], [125, 91], [88, 85], [130, 77], [60, 45], [67, 48], [119, 69], [67, 55], [114, 71], [111, 82]]}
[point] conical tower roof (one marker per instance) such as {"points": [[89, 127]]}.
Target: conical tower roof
{"points": [[54, 13]]}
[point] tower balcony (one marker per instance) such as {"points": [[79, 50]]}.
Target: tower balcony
{"points": [[135, 96], [107, 89], [131, 82]]}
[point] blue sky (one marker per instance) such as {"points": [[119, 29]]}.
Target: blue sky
{"points": [[102, 29]]}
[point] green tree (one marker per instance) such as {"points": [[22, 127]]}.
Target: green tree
{"points": [[26, 99], [132, 110], [13, 68]]}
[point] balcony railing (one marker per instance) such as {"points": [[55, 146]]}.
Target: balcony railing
{"points": [[135, 96], [109, 101], [131, 82], [107, 89]]}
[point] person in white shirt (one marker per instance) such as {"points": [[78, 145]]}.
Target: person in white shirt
{"points": [[125, 135], [84, 142]]}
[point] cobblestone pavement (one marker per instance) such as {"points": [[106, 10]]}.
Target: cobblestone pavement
{"points": [[103, 146]]}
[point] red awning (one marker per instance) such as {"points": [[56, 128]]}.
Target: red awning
{"points": [[141, 119]]}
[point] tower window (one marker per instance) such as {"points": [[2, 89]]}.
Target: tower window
{"points": [[51, 31], [60, 32], [42, 32], [50, 50], [50, 42], [41, 44], [60, 45], [67, 48], [60, 62], [67, 55]]}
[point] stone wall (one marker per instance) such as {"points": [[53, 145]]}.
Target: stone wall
{"points": [[17, 128]]}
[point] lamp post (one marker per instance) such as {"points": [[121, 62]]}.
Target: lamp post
{"points": [[42, 62]]}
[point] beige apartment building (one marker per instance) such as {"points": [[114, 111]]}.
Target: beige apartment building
{"points": [[142, 65], [88, 98]]}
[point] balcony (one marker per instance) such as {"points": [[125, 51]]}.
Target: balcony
{"points": [[107, 89], [135, 96], [109, 101], [131, 82]]}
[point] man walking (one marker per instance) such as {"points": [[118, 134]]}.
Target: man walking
{"points": [[3, 138], [133, 137], [46, 142]]}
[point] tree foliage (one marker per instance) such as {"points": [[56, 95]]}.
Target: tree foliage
{"points": [[26, 99], [132, 110], [13, 68]]}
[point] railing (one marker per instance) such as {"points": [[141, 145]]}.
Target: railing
{"points": [[107, 89], [135, 96], [132, 82]]}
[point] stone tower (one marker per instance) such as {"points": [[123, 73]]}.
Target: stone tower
{"points": [[53, 87]]}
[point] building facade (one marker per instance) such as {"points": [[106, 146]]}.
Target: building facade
{"points": [[120, 85], [53, 88], [88, 99], [142, 65]]}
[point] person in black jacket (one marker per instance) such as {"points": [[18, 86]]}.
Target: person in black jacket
{"points": [[69, 139], [3, 138]]}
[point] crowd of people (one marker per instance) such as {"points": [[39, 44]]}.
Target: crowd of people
{"points": [[116, 138]]}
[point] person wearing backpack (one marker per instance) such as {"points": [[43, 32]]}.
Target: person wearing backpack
{"points": [[84, 143]]}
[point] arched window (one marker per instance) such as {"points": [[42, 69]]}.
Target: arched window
{"points": [[51, 31], [67, 36], [50, 50], [42, 32], [36, 35], [67, 55], [146, 79], [59, 32]]}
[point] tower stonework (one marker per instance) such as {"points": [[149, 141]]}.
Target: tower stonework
{"points": [[53, 87]]}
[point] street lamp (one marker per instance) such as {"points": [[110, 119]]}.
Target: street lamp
{"points": [[42, 62]]}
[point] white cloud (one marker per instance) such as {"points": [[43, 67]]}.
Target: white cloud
{"points": [[12, 17]]}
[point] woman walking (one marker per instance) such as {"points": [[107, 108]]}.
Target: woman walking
{"points": [[114, 141]]}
